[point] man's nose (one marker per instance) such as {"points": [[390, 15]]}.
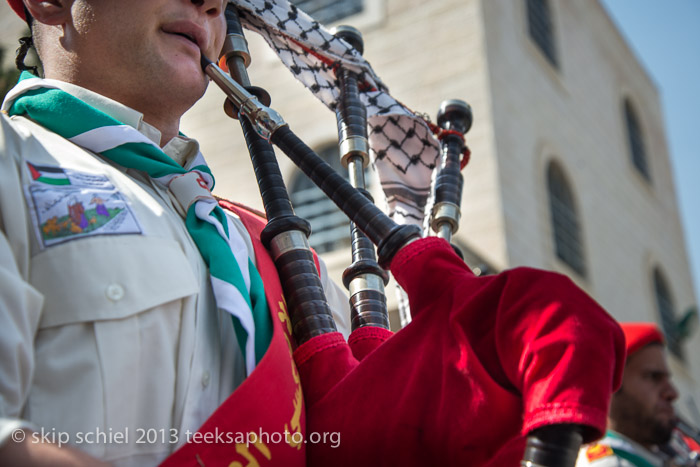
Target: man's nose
{"points": [[213, 7], [670, 392]]}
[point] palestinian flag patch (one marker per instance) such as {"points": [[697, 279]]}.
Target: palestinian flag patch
{"points": [[47, 174], [67, 204]]}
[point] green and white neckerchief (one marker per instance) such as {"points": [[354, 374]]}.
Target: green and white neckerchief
{"points": [[625, 448], [237, 285]]}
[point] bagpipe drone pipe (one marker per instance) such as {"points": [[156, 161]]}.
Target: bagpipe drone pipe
{"points": [[493, 370]]}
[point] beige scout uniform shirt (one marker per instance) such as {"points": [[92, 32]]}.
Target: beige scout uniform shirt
{"points": [[617, 450], [109, 342]]}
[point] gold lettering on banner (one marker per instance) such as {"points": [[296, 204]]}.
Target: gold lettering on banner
{"points": [[296, 438], [295, 424], [284, 317], [243, 450]]}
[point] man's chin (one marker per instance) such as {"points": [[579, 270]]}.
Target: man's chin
{"points": [[186, 73], [188, 88], [663, 430]]}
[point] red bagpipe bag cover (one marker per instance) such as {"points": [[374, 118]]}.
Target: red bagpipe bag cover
{"points": [[484, 361]]}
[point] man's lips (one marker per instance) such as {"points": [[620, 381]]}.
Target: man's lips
{"points": [[189, 31], [667, 412], [188, 43]]}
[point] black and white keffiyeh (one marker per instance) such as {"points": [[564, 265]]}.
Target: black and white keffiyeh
{"points": [[403, 148]]}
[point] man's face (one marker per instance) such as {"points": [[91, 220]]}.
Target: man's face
{"points": [[642, 409], [146, 52]]}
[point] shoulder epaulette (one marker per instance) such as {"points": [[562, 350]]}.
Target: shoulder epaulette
{"points": [[598, 451]]}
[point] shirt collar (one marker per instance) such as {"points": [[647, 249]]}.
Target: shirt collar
{"points": [[181, 149]]}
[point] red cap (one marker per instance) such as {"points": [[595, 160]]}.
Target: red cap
{"points": [[18, 6], [637, 335]]}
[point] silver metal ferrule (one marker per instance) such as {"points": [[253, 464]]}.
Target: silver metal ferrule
{"points": [[365, 282], [288, 241], [265, 119], [237, 45], [445, 212], [354, 146]]}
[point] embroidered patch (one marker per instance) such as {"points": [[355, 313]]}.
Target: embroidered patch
{"points": [[68, 204], [598, 451]]}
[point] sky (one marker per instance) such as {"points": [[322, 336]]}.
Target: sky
{"points": [[665, 36]]}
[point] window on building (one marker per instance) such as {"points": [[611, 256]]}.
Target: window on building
{"points": [[330, 228], [565, 222], [539, 21], [329, 11], [636, 141], [664, 303]]}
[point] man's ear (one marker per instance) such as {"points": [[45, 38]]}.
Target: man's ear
{"points": [[50, 12]]}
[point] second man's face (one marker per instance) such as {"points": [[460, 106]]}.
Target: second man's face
{"points": [[645, 402]]}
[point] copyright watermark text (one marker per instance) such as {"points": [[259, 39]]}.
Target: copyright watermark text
{"points": [[172, 436]]}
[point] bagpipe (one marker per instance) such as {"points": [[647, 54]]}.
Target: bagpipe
{"points": [[492, 370]]}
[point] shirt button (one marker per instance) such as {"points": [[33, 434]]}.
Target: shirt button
{"points": [[114, 292], [206, 377]]}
